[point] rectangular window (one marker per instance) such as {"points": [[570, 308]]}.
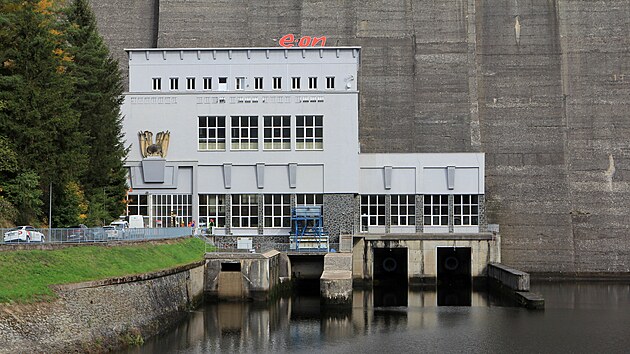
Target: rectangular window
{"points": [[372, 211], [174, 83], [157, 84], [258, 83], [466, 210], [190, 83], [330, 82], [138, 204], [171, 210], [223, 84], [277, 83], [403, 210], [277, 132], [212, 210], [312, 83], [240, 83], [244, 133], [310, 199], [207, 83], [277, 210], [309, 133], [295, 83], [211, 133], [436, 210], [244, 210]]}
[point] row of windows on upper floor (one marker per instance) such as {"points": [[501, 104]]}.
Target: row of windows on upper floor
{"points": [[241, 83], [276, 212], [244, 132]]}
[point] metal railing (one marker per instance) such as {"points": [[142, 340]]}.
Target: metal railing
{"points": [[99, 234]]}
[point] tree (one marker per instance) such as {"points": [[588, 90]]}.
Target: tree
{"points": [[98, 100], [37, 95]]}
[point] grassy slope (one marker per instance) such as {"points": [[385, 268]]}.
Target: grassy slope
{"points": [[26, 275]]}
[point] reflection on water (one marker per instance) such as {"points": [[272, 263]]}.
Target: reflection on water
{"points": [[579, 317]]}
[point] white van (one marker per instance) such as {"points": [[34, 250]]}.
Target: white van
{"points": [[136, 222]]}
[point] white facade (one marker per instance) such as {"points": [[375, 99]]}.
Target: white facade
{"points": [[280, 124]]}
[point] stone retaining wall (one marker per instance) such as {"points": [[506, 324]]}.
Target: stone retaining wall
{"points": [[101, 315]]}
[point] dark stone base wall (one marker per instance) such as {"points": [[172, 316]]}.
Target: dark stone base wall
{"points": [[542, 87], [340, 214]]}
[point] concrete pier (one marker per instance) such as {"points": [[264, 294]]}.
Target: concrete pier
{"points": [[515, 283], [336, 281]]}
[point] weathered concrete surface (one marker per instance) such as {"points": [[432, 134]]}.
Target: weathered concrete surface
{"points": [[335, 285], [512, 278], [422, 253], [541, 86], [259, 275], [101, 315]]}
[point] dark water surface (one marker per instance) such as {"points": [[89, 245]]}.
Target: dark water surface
{"points": [[580, 317]]}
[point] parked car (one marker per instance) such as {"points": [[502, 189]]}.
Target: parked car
{"points": [[79, 233], [116, 230], [23, 234]]}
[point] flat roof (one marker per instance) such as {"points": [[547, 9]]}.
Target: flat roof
{"points": [[236, 48]]}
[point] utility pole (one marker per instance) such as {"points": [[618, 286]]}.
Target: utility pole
{"points": [[50, 207]]}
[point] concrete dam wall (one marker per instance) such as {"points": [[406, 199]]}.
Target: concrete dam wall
{"points": [[541, 86]]}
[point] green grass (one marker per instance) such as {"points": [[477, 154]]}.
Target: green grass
{"points": [[25, 276]]}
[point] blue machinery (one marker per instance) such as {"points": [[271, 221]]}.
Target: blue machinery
{"points": [[308, 233]]}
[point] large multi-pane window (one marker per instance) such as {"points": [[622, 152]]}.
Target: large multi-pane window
{"points": [[403, 210], [277, 210], [372, 211], [436, 210], [310, 199], [171, 210], [244, 210], [211, 133], [138, 204], [277, 132], [466, 210], [212, 210], [309, 133], [244, 133]]}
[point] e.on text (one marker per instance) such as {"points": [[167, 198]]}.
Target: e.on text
{"points": [[288, 41]]}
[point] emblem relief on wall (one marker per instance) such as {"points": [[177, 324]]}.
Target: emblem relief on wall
{"points": [[150, 149]]}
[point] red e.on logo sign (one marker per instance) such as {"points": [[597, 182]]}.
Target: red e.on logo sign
{"points": [[288, 41]]}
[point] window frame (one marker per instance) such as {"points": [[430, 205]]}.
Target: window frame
{"points": [[433, 211], [312, 83], [173, 83], [156, 83], [296, 82], [208, 202], [238, 142], [402, 210], [190, 83], [207, 83], [272, 141], [465, 210], [330, 82], [372, 208], [258, 83], [302, 136], [244, 202], [216, 130], [277, 82], [277, 210], [239, 83]]}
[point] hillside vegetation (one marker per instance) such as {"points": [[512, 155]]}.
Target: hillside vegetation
{"points": [[25, 276]]}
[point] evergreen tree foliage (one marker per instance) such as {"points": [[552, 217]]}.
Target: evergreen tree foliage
{"points": [[37, 93], [72, 207], [98, 99]]}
